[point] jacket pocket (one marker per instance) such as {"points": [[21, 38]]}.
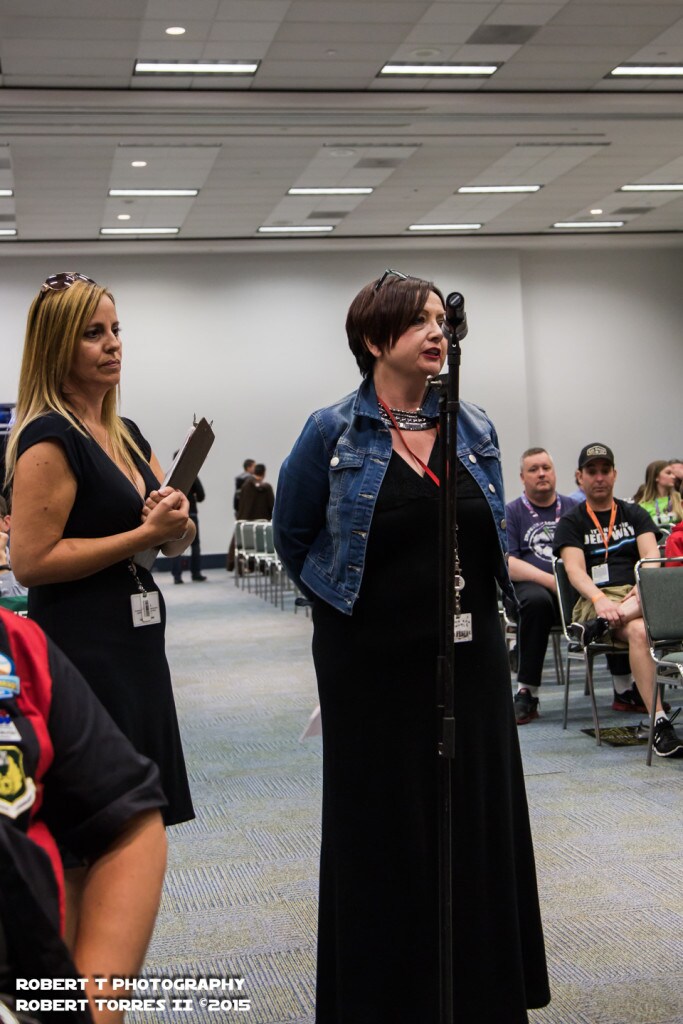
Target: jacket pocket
{"points": [[345, 474]]}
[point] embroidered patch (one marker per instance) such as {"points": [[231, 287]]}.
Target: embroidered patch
{"points": [[17, 792], [6, 666], [596, 449]]}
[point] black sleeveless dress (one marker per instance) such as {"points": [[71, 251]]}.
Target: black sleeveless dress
{"points": [[378, 918], [91, 619]]}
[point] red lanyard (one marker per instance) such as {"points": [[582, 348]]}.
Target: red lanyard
{"points": [[606, 534], [432, 476]]}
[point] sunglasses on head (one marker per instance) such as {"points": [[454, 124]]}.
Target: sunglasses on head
{"points": [[390, 273], [60, 282]]}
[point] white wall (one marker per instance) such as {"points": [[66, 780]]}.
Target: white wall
{"points": [[604, 346], [563, 348]]}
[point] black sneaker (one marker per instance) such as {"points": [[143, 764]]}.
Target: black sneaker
{"points": [[198, 578], [526, 706], [667, 742], [178, 579], [632, 702], [586, 633]]}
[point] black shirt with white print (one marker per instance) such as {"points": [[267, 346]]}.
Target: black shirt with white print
{"points": [[577, 530]]}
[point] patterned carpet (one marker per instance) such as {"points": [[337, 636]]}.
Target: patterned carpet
{"points": [[240, 893]]}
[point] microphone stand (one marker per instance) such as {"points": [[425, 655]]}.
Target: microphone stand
{"points": [[450, 585]]}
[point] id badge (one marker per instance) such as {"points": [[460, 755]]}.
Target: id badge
{"points": [[145, 608], [600, 573], [8, 730], [462, 628]]}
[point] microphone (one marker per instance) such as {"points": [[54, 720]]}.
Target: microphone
{"points": [[456, 318]]}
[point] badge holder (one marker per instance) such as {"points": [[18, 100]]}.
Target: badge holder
{"points": [[454, 627], [144, 605]]}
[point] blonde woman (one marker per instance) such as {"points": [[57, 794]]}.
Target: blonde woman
{"points": [[658, 495], [86, 500]]}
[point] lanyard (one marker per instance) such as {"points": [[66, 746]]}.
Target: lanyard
{"points": [[606, 534], [668, 508], [430, 473], [534, 514]]}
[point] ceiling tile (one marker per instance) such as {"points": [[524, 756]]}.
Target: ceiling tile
{"points": [[173, 11], [647, 14], [524, 14], [351, 10]]}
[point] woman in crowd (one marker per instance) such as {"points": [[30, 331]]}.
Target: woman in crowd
{"points": [[658, 495], [356, 524], [81, 476]]}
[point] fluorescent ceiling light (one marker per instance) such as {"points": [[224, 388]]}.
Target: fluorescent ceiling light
{"points": [[175, 30], [341, 191], [153, 191], [8, 231], [138, 163], [196, 67], [6, 192], [295, 228], [589, 224], [139, 231], [443, 227], [647, 70], [486, 189], [439, 69], [123, 216], [652, 188]]}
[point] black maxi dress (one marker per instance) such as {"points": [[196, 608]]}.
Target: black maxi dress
{"points": [[378, 917], [91, 619]]}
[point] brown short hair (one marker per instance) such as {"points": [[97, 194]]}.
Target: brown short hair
{"points": [[382, 314], [532, 451]]}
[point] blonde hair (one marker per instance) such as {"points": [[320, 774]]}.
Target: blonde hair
{"points": [[56, 323], [648, 490]]}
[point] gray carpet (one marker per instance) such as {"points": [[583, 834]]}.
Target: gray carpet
{"points": [[240, 894]]}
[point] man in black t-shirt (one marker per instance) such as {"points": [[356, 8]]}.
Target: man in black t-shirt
{"points": [[600, 541]]}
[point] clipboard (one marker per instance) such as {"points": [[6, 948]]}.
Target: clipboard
{"points": [[183, 472], [190, 458]]}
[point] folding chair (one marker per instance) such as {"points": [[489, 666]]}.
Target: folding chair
{"points": [[661, 599], [245, 554], [510, 635], [567, 597]]}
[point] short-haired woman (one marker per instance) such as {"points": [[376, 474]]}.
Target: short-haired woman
{"points": [[356, 524]]}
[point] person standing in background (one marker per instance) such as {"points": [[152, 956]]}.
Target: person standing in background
{"points": [[196, 494], [256, 496], [240, 480], [246, 474]]}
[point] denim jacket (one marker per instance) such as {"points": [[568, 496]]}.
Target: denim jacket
{"points": [[329, 482]]}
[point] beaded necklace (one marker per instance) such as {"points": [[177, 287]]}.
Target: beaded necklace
{"points": [[407, 420]]}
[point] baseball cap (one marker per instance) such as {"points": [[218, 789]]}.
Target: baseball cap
{"points": [[595, 451]]}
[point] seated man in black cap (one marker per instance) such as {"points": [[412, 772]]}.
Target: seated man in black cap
{"points": [[600, 541]]}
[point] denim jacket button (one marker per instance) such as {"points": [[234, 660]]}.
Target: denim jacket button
{"points": [[492, 489], [472, 458], [334, 461], [503, 524]]}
